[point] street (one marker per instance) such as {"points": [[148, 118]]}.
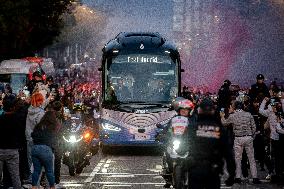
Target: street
{"points": [[131, 168]]}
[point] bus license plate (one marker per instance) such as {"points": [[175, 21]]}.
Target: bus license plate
{"points": [[142, 136]]}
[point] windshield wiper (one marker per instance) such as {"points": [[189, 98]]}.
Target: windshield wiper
{"points": [[163, 104]]}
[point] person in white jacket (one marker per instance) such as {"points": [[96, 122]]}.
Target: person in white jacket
{"points": [[275, 104], [280, 131]]}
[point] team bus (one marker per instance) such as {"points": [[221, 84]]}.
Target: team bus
{"points": [[141, 75]]}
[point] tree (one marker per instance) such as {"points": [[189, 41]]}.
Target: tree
{"points": [[27, 26], [82, 35]]}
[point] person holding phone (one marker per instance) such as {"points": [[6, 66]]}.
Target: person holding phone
{"points": [[275, 105], [244, 131]]}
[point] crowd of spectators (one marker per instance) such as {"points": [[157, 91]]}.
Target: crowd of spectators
{"points": [[30, 122], [254, 121]]}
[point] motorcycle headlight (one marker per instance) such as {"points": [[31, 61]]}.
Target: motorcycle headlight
{"points": [[72, 139], [176, 144], [110, 127]]}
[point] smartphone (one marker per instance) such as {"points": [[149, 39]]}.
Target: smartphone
{"points": [[222, 110]]}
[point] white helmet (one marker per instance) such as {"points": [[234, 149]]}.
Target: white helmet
{"points": [[182, 103]]}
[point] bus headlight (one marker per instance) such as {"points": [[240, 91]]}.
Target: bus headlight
{"points": [[176, 144], [110, 127]]}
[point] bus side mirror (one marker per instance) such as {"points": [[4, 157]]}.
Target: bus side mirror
{"points": [[182, 70], [100, 69]]}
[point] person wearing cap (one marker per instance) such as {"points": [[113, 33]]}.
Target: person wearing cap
{"points": [[259, 89], [206, 146], [244, 130]]}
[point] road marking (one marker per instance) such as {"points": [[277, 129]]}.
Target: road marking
{"points": [[121, 176], [106, 165], [104, 170], [159, 167], [138, 174], [95, 171], [73, 185], [128, 183], [113, 185], [154, 170]]}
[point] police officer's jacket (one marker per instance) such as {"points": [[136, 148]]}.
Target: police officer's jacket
{"points": [[206, 140], [257, 89]]}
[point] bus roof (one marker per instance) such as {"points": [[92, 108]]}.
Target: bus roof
{"points": [[141, 41]]}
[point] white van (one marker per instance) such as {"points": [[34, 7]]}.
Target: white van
{"points": [[17, 72]]}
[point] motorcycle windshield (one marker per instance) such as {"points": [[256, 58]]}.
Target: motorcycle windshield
{"points": [[76, 123]]}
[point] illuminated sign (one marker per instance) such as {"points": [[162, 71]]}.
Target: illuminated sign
{"points": [[143, 59]]}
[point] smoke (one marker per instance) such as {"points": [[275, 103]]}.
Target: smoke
{"points": [[234, 40], [246, 39]]}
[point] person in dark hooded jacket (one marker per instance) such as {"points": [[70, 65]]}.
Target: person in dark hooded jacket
{"points": [[224, 96], [10, 140]]}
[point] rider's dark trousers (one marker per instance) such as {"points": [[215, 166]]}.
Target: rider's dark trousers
{"points": [[204, 177], [58, 154]]}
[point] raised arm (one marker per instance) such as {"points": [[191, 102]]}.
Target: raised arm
{"points": [[262, 110], [227, 121]]}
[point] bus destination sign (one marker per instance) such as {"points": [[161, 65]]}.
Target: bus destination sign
{"points": [[143, 59]]}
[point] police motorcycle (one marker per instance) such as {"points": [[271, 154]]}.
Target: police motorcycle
{"points": [[175, 157], [79, 142]]}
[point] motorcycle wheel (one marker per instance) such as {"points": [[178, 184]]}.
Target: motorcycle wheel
{"points": [[71, 164], [178, 177], [72, 170]]}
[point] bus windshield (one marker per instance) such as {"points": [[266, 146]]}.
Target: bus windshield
{"points": [[141, 78]]}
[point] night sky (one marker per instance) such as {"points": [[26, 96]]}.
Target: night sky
{"points": [[247, 40]]}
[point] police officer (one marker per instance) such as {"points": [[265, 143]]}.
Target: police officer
{"points": [[259, 89], [206, 146]]}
